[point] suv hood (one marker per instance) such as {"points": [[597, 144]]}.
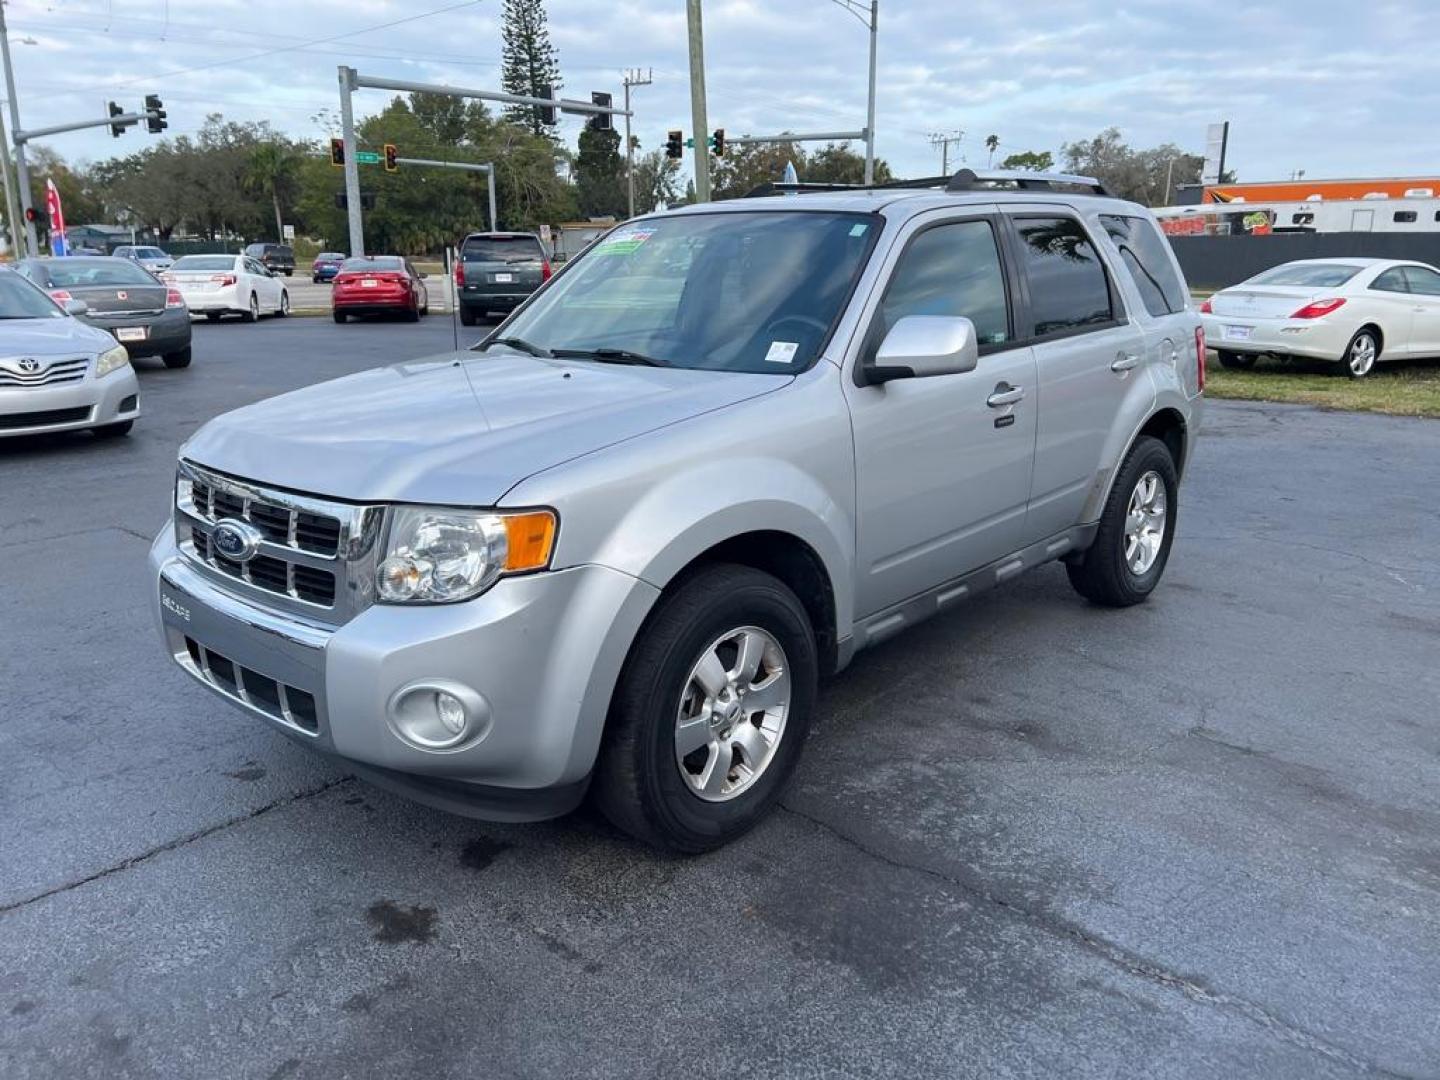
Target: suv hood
{"points": [[458, 429]]}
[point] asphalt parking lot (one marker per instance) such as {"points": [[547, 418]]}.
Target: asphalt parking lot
{"points": [[1193, 839]]}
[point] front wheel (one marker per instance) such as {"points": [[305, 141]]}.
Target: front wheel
{"points": [[1235, 361], [1132, 545], [711, 711], [1361, 354]]}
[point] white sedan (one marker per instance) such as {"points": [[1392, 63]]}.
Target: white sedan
{"points": [[216, 285], [1354, 312]]}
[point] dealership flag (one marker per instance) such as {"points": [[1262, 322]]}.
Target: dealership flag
{"points": [[57, 218]]}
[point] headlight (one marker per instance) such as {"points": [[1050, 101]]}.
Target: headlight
{"points": [[112, 360], [436, 555]]}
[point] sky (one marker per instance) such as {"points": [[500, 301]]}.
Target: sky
{"points": [[1334, 88]]}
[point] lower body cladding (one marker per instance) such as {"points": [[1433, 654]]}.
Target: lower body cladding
{"points": [[89, 403], [528, 669]]}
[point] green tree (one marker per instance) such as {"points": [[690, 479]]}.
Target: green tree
{"points": [[1030, 161], [600, 174], [657, 181], [1140, 175], [743, 168], [992, 143], [528, 62], [270, 170]]}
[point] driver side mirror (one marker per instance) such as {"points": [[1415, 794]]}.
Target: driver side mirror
{"points": [[921, 346]]}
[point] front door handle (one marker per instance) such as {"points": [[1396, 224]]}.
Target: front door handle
{"points": [[1124, 362], [1005, 394]]}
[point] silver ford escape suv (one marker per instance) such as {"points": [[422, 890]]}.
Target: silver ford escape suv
{"points": [[612, 548]]}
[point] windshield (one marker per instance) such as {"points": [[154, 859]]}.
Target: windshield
{"points": [[362, 266], [75, 273], [502, 249], [151, 253], [204, 262], [1320, 275], [749, 291], [19, 299]]}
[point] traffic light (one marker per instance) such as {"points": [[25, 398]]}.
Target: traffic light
{"points": [[391, 156], [548, 115], [718, 142], [601, 121], [155, 114], [116, 130], [30, 214], [675, 145], [337, 153]]}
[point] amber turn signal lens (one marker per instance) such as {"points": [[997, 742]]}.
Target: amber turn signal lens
{"points": [[528, 538]]}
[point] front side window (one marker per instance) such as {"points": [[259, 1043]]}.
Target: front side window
{"points": [[1392, 280], [1069, 289], [1146, 256], [752, 290], [951, 269], [1423, 280]]}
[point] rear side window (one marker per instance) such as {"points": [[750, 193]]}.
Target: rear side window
{"points": [[951, 270], [1069, 289], [502, 249], [1423, 280], [1146, 256]]}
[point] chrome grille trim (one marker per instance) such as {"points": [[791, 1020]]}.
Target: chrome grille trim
{"points": [[328, 549], [61, 371]]}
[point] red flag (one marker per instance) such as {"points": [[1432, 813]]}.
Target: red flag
{"points": [[57, 218]]}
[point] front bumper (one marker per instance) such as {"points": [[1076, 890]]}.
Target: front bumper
{"points": [[168, 332], [89, 403], [544, 651], [1315, 339]]}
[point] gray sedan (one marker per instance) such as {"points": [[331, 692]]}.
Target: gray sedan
{"points": [[151, 258], [121, 297]]}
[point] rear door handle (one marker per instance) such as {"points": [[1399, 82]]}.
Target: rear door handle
{"points": [[1005, 394], [1124, 362]]}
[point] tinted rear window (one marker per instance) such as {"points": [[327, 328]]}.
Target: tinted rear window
{"points": [[79, 272], [1069, 290], [360, 266], [204, 262], [1146, 255], [1321, 275], [502, 249]]}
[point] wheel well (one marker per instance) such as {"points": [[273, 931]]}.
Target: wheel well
{"points": [[1379, 337], [1168, 426], [795, 563]]}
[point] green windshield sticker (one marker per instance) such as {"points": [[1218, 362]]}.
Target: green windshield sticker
{"points": [[625, 242]]}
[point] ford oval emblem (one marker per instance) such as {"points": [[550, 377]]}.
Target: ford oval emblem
{"points": [[236, 540]]}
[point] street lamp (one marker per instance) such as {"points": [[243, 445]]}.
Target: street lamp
{"points": [[869, 16]]}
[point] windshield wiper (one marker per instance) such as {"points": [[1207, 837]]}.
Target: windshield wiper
{"points": [[611, 356], [521, 345]]}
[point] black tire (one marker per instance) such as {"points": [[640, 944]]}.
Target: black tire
{"points": [[284, 303], [467, 317], [338, 316], [114, 431], [1236, 361], [252, 313], [180, 359], [212, 316], [1350, 361], [289, 273], [637, 782], [412, 315], [1102, 575]]}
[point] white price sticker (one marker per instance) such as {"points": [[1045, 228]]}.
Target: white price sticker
{"points": [[782, 352]]}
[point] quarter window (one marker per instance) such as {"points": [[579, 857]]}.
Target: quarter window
{"points": [[951, 269], [1146, 256], [1069, 289]]}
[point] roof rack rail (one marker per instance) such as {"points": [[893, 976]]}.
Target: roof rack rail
{"points": [[964, 180], [779, 187]]}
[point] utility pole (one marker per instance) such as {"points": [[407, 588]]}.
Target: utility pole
{"points": [[697, 101], [12, 211], [352, 166], [22, 174], [632, 78], [870, 108], [943, 141]]}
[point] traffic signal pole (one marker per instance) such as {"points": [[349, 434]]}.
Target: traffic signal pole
{"points": [[352, 166], [22, 173], [697, 100]]}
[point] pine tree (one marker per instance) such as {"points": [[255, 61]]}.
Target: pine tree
{"points": [[529, 63]]}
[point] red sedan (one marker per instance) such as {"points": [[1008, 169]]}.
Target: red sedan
{"points": [[379, 283]]}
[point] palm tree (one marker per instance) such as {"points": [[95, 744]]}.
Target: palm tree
{"points": [[269, 170], [992, 143]]}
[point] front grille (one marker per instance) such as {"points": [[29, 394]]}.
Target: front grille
{"points": [[14, 421], [288, 704], [62, 371], [314, 556]]}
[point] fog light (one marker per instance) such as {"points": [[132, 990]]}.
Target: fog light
{"points": [[438, 715]]}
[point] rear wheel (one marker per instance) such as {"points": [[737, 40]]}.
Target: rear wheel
{"points": [[114, 431], [1361, 353], [284, 302], [178, 359], [711, 711], [1236, 361], [467, 317], [1132, 545], [338, 316], [252, 313]]}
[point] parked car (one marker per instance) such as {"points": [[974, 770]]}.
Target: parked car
{"points": [[216, 285], [326, 266], [56, 372], [497, 271], [1355, 313], [277, 257], [151, 258], [613, 547], [379, 284], [138, 309]]}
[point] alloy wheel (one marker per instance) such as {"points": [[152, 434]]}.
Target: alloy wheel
{"points": [[1145, 523], [1362, 355]]}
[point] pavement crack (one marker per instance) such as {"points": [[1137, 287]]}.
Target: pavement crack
{"points": [[178, 842], [1119, 957]]}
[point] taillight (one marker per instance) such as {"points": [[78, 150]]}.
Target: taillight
{"points": [[1200, 358], [1319, 308], [1207, 308], [545, 271], [173, 298], [223, 279], [60, 296], [459, 273]]}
